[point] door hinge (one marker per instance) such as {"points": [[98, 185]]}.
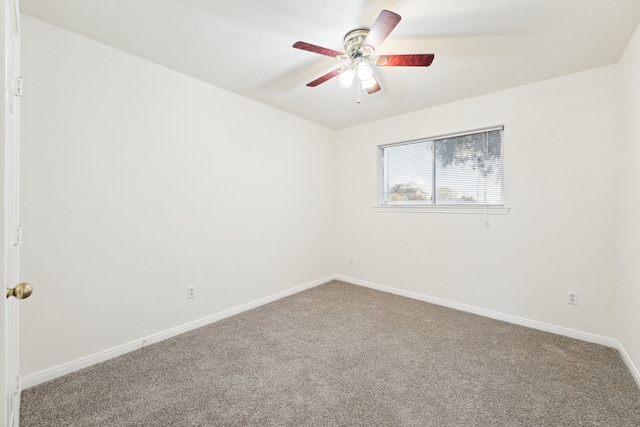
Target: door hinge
{"points": [[17, 87], [19, 382], [17, 238]]}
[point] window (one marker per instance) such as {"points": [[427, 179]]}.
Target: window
{"points": [[461, 169]]}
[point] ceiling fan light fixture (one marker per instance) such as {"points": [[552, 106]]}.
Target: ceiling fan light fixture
{"points": [[347, 77], [359, 47], [365, 72], [369, 83]]}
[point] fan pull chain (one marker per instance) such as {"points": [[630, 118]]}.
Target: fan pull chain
{"points": [[358, 89]]}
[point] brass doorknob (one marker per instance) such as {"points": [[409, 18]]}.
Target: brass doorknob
{"points": [[21, 291]]}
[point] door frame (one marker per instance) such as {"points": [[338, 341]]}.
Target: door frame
{"points": [[10, 234], [3, 342]]}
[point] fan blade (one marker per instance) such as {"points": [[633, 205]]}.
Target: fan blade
{"points": [[416, 60], [327, 76], [385, 23], [321, 50], [372, 86]]}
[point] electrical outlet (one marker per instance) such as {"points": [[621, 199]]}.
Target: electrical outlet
{"points": [[191, 291], [350, 260], [572, 297]]}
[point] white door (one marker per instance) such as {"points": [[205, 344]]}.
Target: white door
{"points": [[10, 385]]}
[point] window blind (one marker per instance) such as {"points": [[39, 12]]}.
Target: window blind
{"points": [[452, 170], [409, 173]]}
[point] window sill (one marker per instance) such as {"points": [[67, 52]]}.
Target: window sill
{"points": [[447, 209]]}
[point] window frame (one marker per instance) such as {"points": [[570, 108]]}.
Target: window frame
{"points": [[477, 208]]}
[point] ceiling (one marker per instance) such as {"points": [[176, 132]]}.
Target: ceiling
{"points": [[245, 46]]}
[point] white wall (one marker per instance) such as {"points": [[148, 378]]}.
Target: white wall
{"points": [[561, 152], [629, 224], [138, 181]]}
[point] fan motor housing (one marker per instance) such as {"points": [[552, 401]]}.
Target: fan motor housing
{"points": [[353, 43]]}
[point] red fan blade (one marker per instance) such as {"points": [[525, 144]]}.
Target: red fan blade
{"points": [[385, 23], [417, 60], [321, 50], [372, 87], [327, 76]]}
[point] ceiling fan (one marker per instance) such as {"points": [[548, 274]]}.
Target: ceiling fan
{"points": [[360, 46]]}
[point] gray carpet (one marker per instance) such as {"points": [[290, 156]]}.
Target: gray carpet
{"points": [[344, 355]]}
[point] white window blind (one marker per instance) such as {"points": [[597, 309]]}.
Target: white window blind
{"points": [[409, 173], [462, 169]]}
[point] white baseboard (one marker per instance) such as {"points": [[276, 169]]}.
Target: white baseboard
{"points": [[585, 336], [627, 360], [75, 365], [568, 332], [67, 368]]}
